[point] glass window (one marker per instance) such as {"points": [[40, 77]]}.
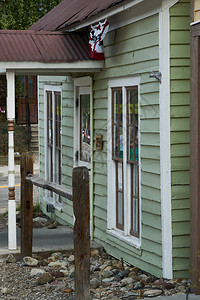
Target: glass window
{"points": [[85, 141], [126, 164], [54, 139]]}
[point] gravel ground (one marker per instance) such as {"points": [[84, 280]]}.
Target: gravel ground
{"points": [[52, 277]]}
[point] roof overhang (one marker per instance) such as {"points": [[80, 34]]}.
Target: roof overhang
{"points": [[39, 68]]}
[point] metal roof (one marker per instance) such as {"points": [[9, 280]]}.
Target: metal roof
{"points": [[69, 12], [53, 47]]}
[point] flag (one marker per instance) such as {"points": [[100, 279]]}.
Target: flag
{"points": [[97, 34]]}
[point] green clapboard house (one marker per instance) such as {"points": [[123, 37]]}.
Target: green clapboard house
{"points": [[128, 122]]}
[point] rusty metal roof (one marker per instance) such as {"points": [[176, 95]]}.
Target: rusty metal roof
{"points": [[28, 45], [69, 12]]}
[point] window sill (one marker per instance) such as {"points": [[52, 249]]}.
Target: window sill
{"points": [[130, 240], [56, 205]]}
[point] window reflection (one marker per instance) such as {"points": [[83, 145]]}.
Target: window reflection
{"points": [[85, 138]]}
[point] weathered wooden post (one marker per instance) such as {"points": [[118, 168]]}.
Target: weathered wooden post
{"points": [[81, 205], [26, 205]]}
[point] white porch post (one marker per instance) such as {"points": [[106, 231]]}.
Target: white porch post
{"points": [[12, 240]]}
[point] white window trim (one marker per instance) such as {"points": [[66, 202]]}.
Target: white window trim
{"points": [[81, 82], [111, 205], [51, 88]]}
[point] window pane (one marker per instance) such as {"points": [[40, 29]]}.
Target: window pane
{"points": [[115, 108], [85, 143], [117, 123], [120, 196], [115, 140], [132, 123], [135, 214], [135, 200], [120, 209]]}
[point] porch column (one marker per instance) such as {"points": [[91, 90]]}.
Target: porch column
{"points": [[12, 240]]}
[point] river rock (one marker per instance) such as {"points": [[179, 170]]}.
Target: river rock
{"points": [[95, 283], [30, 261], [152, 293], [36, 272], [71, 258], [10, 258], [126, 281], [56, 274], [39, 222], [5, 291], [44, 278], [106, 274], [57, 264], [105, 280]]}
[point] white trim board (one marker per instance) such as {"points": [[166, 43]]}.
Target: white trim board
{"points": [[125, 13], [39, 68], [165, 155]]}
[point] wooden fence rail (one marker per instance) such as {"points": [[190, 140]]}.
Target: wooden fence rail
{"points": [[81, 206]]}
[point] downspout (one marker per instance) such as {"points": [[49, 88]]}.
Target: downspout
{"points": [[92, 163]]}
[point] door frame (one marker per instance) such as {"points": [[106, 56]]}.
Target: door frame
{"points": [[79, 83]]}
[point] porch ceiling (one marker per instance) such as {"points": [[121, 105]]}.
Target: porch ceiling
{"points": [[45, 52]]}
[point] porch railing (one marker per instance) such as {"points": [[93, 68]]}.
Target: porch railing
{"points": [[81, 206]]}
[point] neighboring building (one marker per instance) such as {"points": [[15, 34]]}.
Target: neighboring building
{"points": [[129, 124]]}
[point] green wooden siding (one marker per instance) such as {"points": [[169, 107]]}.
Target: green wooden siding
{"points": [[135, 50], [180, 127], [67, 141]]}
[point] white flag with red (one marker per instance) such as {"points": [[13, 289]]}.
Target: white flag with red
{"points": [[97, 34]]}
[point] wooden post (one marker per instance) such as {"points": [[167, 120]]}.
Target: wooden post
{"points": [[26, 206], [81, 205], [12, 233]]}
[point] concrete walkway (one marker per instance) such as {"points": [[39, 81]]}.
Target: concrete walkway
{"points": [[44, 240]]}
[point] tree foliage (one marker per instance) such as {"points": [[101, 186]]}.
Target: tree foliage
{"points": [[21, 14]]}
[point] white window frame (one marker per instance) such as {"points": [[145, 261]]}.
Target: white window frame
{"points": [[85, 84], [111, 188], [51, 88]]}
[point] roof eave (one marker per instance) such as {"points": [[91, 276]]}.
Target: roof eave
{"points": [[101, 16], [39, 68]]}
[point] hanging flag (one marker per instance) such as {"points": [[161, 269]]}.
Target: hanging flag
{"points": [[97, 34]]}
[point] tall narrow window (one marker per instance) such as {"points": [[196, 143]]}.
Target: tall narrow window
{"points": [[117, 129], [125, 158], [49, 138], [53, 159]]}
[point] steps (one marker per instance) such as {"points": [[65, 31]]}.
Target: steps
{"points": [[34, 146]]}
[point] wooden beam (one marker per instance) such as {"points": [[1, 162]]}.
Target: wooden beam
{"points": [[37, 181], [195, 160]]}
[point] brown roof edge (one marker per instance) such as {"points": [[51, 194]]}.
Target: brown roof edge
{"points": [[42, 32], [69, 12]]}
